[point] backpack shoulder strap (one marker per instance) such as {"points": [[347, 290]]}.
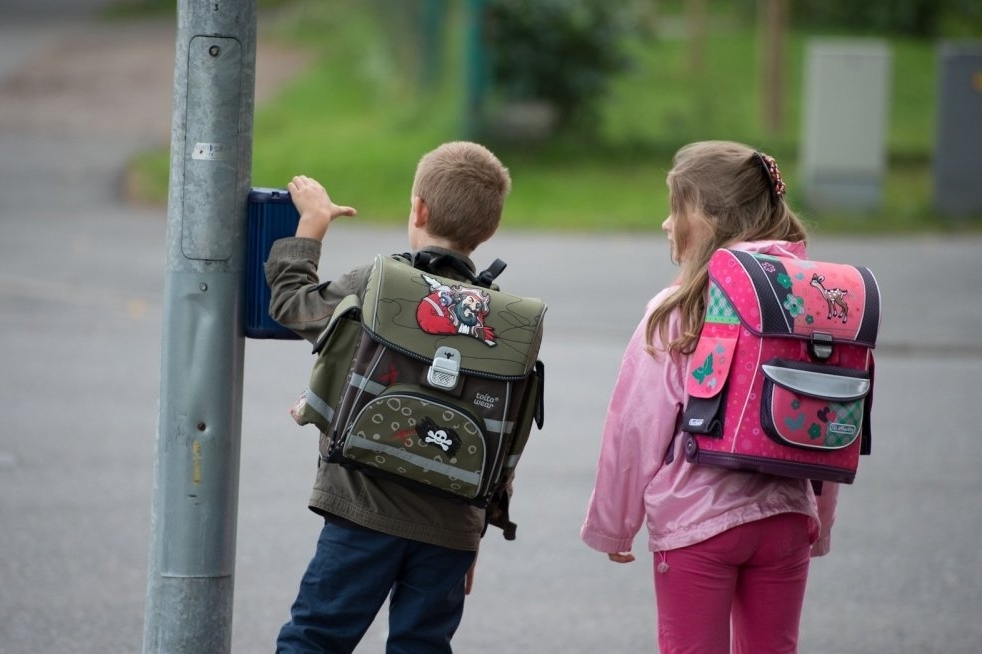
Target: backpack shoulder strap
{"points": [[430, 262]]}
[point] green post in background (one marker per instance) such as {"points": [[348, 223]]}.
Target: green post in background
{"points": [[433, 22], [477, 68]]}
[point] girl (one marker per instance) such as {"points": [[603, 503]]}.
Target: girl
{"points": [[730, 547]]}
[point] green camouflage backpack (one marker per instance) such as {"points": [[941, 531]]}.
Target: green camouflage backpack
{"points": [[430, 381]]}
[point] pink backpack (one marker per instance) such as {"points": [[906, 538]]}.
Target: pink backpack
{"points": [[781, 379]]}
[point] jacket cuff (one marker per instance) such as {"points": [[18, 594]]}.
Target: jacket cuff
{"points": [[606, 544], [296, 248]]}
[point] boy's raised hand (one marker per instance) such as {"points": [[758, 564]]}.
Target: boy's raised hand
{"points": [[315, 206]]}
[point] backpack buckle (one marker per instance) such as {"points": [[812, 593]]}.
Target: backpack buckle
{"points": [[444, 372], [820, 345]]}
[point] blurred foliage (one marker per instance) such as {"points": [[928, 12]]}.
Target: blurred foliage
{"points": [[911, 18], [564, 52], [389, 81]]}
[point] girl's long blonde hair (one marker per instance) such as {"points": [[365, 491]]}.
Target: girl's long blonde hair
{"points": [[729, 186]]}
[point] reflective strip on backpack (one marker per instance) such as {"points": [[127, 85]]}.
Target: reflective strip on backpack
{"points": [[365, 384], [319, 405], [498, 427], [423, 462]]}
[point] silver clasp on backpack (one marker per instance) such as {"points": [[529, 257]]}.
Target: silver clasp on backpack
{"points": [[820, 345], [444, 372]]}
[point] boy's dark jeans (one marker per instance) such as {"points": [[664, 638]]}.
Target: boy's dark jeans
{"points": [[347, 581]]}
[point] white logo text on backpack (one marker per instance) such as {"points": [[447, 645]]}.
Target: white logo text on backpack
{"points": [[485, 400]]}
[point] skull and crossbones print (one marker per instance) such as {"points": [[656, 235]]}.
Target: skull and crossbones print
{"points": [[443, 437]]}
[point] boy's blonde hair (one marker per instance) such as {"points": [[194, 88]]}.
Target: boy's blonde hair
{"points": [[464, 187], [728, 186]]}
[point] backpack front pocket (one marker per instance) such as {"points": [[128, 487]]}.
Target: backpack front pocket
{"points": [[401, 432], [334, 348], [812, 406]]}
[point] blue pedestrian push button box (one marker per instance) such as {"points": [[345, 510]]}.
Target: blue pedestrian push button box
{"points": [[271, 215]]}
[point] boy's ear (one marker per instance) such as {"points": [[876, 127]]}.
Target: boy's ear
{"points": [[421, 213]]}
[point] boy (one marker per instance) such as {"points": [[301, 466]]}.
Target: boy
{"points": [[379, 536]]}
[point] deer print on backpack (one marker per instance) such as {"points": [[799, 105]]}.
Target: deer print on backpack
{"points": [[835, 297]]}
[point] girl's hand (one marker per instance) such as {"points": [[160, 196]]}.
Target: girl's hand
{"points": [[620, 557]]}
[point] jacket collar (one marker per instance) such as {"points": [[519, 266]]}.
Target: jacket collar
{"points": [[437, 250], [794, 249]]}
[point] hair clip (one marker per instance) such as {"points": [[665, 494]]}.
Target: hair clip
{"points": [[777, 185]]}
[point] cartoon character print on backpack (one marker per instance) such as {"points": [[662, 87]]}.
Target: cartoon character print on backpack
{"points": [[836, 298], [455, 310]]}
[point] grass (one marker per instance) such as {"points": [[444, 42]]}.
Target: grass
{"points": [[362, 115]]}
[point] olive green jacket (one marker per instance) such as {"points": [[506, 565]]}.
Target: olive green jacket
{"points": [[302, 303]]}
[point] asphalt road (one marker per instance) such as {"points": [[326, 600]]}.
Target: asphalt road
{"points": [[81, 277]]}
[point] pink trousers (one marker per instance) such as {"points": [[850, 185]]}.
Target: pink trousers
{"points": [[752, 576]]}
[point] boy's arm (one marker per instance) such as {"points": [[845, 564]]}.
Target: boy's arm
{"points": [[298, 300], [317, 210]]}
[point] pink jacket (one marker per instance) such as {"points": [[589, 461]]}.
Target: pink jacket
{"points": [[681, 503]]}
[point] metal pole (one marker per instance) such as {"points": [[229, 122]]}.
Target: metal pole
{"points": [[196, 476]]}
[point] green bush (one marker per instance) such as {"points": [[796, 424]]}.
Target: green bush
{"points": [[561, 51]]}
